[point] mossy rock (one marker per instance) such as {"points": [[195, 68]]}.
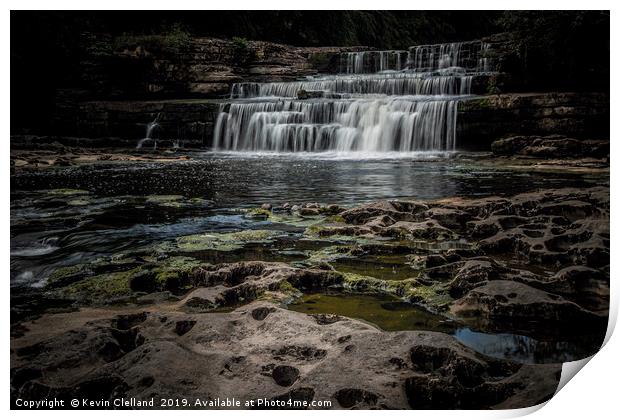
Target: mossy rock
{"points": [[335, 219], [78, 202], [175, 201], [67, 191], [181, 264], [175, 273], [111, 278], [225, 241], [101, 288], [287, 287], [328, 254], [364, 283], [258, 213], [283, 218], [433, 297], [296, 220], [320, 230], [63, 276]]}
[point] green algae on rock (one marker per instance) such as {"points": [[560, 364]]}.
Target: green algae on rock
{"points": [[175, 201], [284, 218], [328, 254], [67, 274], [100, 288], [66, 191], [174, 273], [107, 279], [225, 241], [432, 297]]}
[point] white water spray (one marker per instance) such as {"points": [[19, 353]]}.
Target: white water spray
{"points": [[383, 101], [151, 129]]}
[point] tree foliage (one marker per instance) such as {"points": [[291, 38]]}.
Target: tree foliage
{"points": [[560, 49]]}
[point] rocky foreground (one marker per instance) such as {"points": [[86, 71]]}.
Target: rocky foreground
{"points": [[168, 326], [264, 351]]}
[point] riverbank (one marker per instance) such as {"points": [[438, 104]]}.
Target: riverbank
{"points": [[37, 152], [526, 273]]}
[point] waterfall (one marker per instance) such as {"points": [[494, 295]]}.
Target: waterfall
{"points": [[151, 128], [382, 84], [372, 61], [382, 101], [374, 125], [470, 56]]}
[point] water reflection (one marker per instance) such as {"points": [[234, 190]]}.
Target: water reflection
{"points": [[389, 314], [242, 180], [526, 349]]}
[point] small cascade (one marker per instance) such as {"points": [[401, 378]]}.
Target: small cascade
{"points": [[347, 86], [372, 61], [382, 101], [469, 56], [151, 129]]}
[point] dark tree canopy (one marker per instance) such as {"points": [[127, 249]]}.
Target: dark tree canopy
{"points": [[566, 50]]}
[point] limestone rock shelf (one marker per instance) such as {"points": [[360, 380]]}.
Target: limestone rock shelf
{"points": [[480, 121]]}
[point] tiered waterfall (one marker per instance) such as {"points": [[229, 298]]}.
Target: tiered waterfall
{"points": [[380, 101]]}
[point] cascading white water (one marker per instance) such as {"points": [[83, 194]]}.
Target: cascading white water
{"points": [[339, 86], [151, 128], [374, 125], [470, 56], [372, 61], [382, 101]]}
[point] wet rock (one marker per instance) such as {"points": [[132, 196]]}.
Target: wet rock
{"points": [[200, 300], [435, 260], [516, 301], [309, 211], [326, 319], [285, 375], [473, 273], [550, 229], [350, 397], [461, 379], [305, 353], [429, 230], [183, 327], [232, 284], [225, 241], [397, 210], [333, 209], [231, 345], [260, 314], [309, 94], [126, 322], [538, 256], [553, 146], [587, 286], [510, 146], [449, 218]]}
